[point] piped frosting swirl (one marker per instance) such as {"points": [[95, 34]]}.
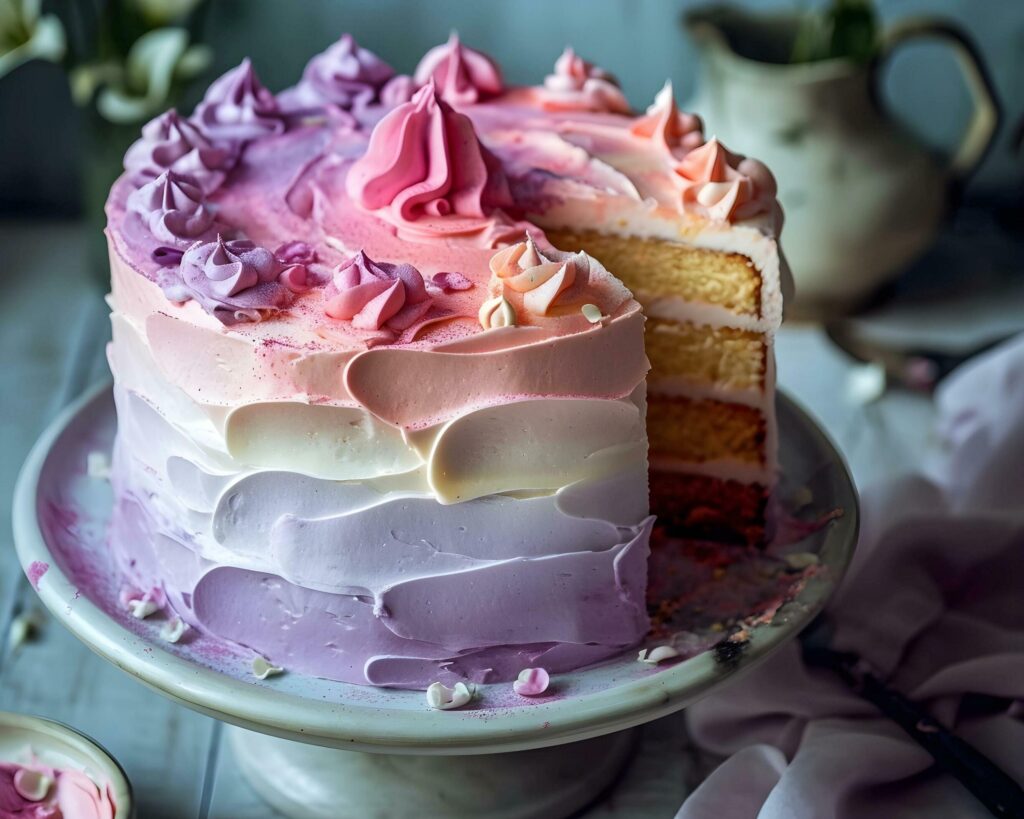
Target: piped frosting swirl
{"points": [[233, 280], [345, 75], [576, 85], [541, 280], [462, 75], [237, 108], [169, 142], [378, 295], [666, 126], [724, 186], [426, 172], [172, 209]]}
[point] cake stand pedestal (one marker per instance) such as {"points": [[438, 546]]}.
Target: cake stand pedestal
{"points": [[316, 748], [323, 783]]}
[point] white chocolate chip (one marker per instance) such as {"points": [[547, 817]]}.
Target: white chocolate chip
{"points": [[97, 466], [442, 698], [592, 313], [173, 629], [262, 669], [142, 608], [658, 654], [32, 785], [801, 560]]}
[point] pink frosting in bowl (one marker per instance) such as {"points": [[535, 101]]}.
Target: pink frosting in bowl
{"points": [[50, 771]]}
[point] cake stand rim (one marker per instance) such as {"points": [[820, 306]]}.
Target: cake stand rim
{"points": [[346, 726]]}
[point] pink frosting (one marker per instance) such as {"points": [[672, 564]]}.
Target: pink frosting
{"points": [[721, 185], [237, 108], [666, 126], [425, 170], [72, 794], [169, 142], [173, 210], [577, 85], [377, 295], [462, 75]]}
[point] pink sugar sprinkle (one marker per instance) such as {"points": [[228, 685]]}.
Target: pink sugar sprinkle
{"points": [[36, 570]]}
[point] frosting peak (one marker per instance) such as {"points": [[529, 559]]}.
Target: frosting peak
{"points": [[463, 75], [346, 75], [668, 127], [577, 85], [173, 209], [541, 280], [233, 280], [238, 108], [378, 295], [169, 142], [725, 186], [426, 167]]}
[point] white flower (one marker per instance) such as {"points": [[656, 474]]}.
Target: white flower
{"points": [[26, 35]]}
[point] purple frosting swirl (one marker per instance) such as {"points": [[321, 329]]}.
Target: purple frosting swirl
{"points": [[172, 208], [237, 108], [235, 280], [169, 142], [346, 76], [400, 88]]}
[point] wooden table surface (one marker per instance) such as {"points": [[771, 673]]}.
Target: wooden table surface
{"points": [[53, 330]]}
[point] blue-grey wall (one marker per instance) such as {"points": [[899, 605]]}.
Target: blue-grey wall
{"points": [[641, 41]]}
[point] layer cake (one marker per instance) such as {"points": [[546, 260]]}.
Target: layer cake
{"points": [[381, 380]]}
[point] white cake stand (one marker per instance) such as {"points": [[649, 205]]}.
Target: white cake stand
{"points": [[315, 748]]}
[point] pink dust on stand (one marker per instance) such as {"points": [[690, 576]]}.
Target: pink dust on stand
{"points": [[35, 571]]}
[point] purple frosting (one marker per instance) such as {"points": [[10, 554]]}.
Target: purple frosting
{"points": [[233, 280], [169, 142], [172, 208], [345, 76], [398, 89], [237, 108]]}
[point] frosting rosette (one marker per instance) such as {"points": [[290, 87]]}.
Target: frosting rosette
{"points": [[378, 295], [237, 108], [169, 142], [426, 172], [668, 127], [400, 88], [172, 209], [462, 75], [345, 76], [541, 280], [576, 85], [233, 280], [724, 186]]}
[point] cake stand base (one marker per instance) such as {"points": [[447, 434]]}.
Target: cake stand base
{"points": [[311, 782]]}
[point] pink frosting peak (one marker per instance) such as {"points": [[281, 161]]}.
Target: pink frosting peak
{"points": [[668, 127], [463, 75], [725, 186], [378, 295], [237, 108], [577, 85], [428, 172], [169, 142], [173, 210]]}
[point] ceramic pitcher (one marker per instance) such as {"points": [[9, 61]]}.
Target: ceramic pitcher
{"points": [[862, 197]]}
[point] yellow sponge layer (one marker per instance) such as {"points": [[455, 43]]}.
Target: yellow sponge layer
{"points": [[715, 355], [654, 268], [704, 430]]}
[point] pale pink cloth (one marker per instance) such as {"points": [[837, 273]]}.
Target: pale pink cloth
{"points": [[934, 601]]}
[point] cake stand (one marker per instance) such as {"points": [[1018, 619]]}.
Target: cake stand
{"points": [[315, 748]]}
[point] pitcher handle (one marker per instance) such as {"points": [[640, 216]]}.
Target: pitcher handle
{"points": [[981, 130]]}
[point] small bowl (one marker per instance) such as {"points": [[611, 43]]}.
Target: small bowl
{"points": [[59, 746]]}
